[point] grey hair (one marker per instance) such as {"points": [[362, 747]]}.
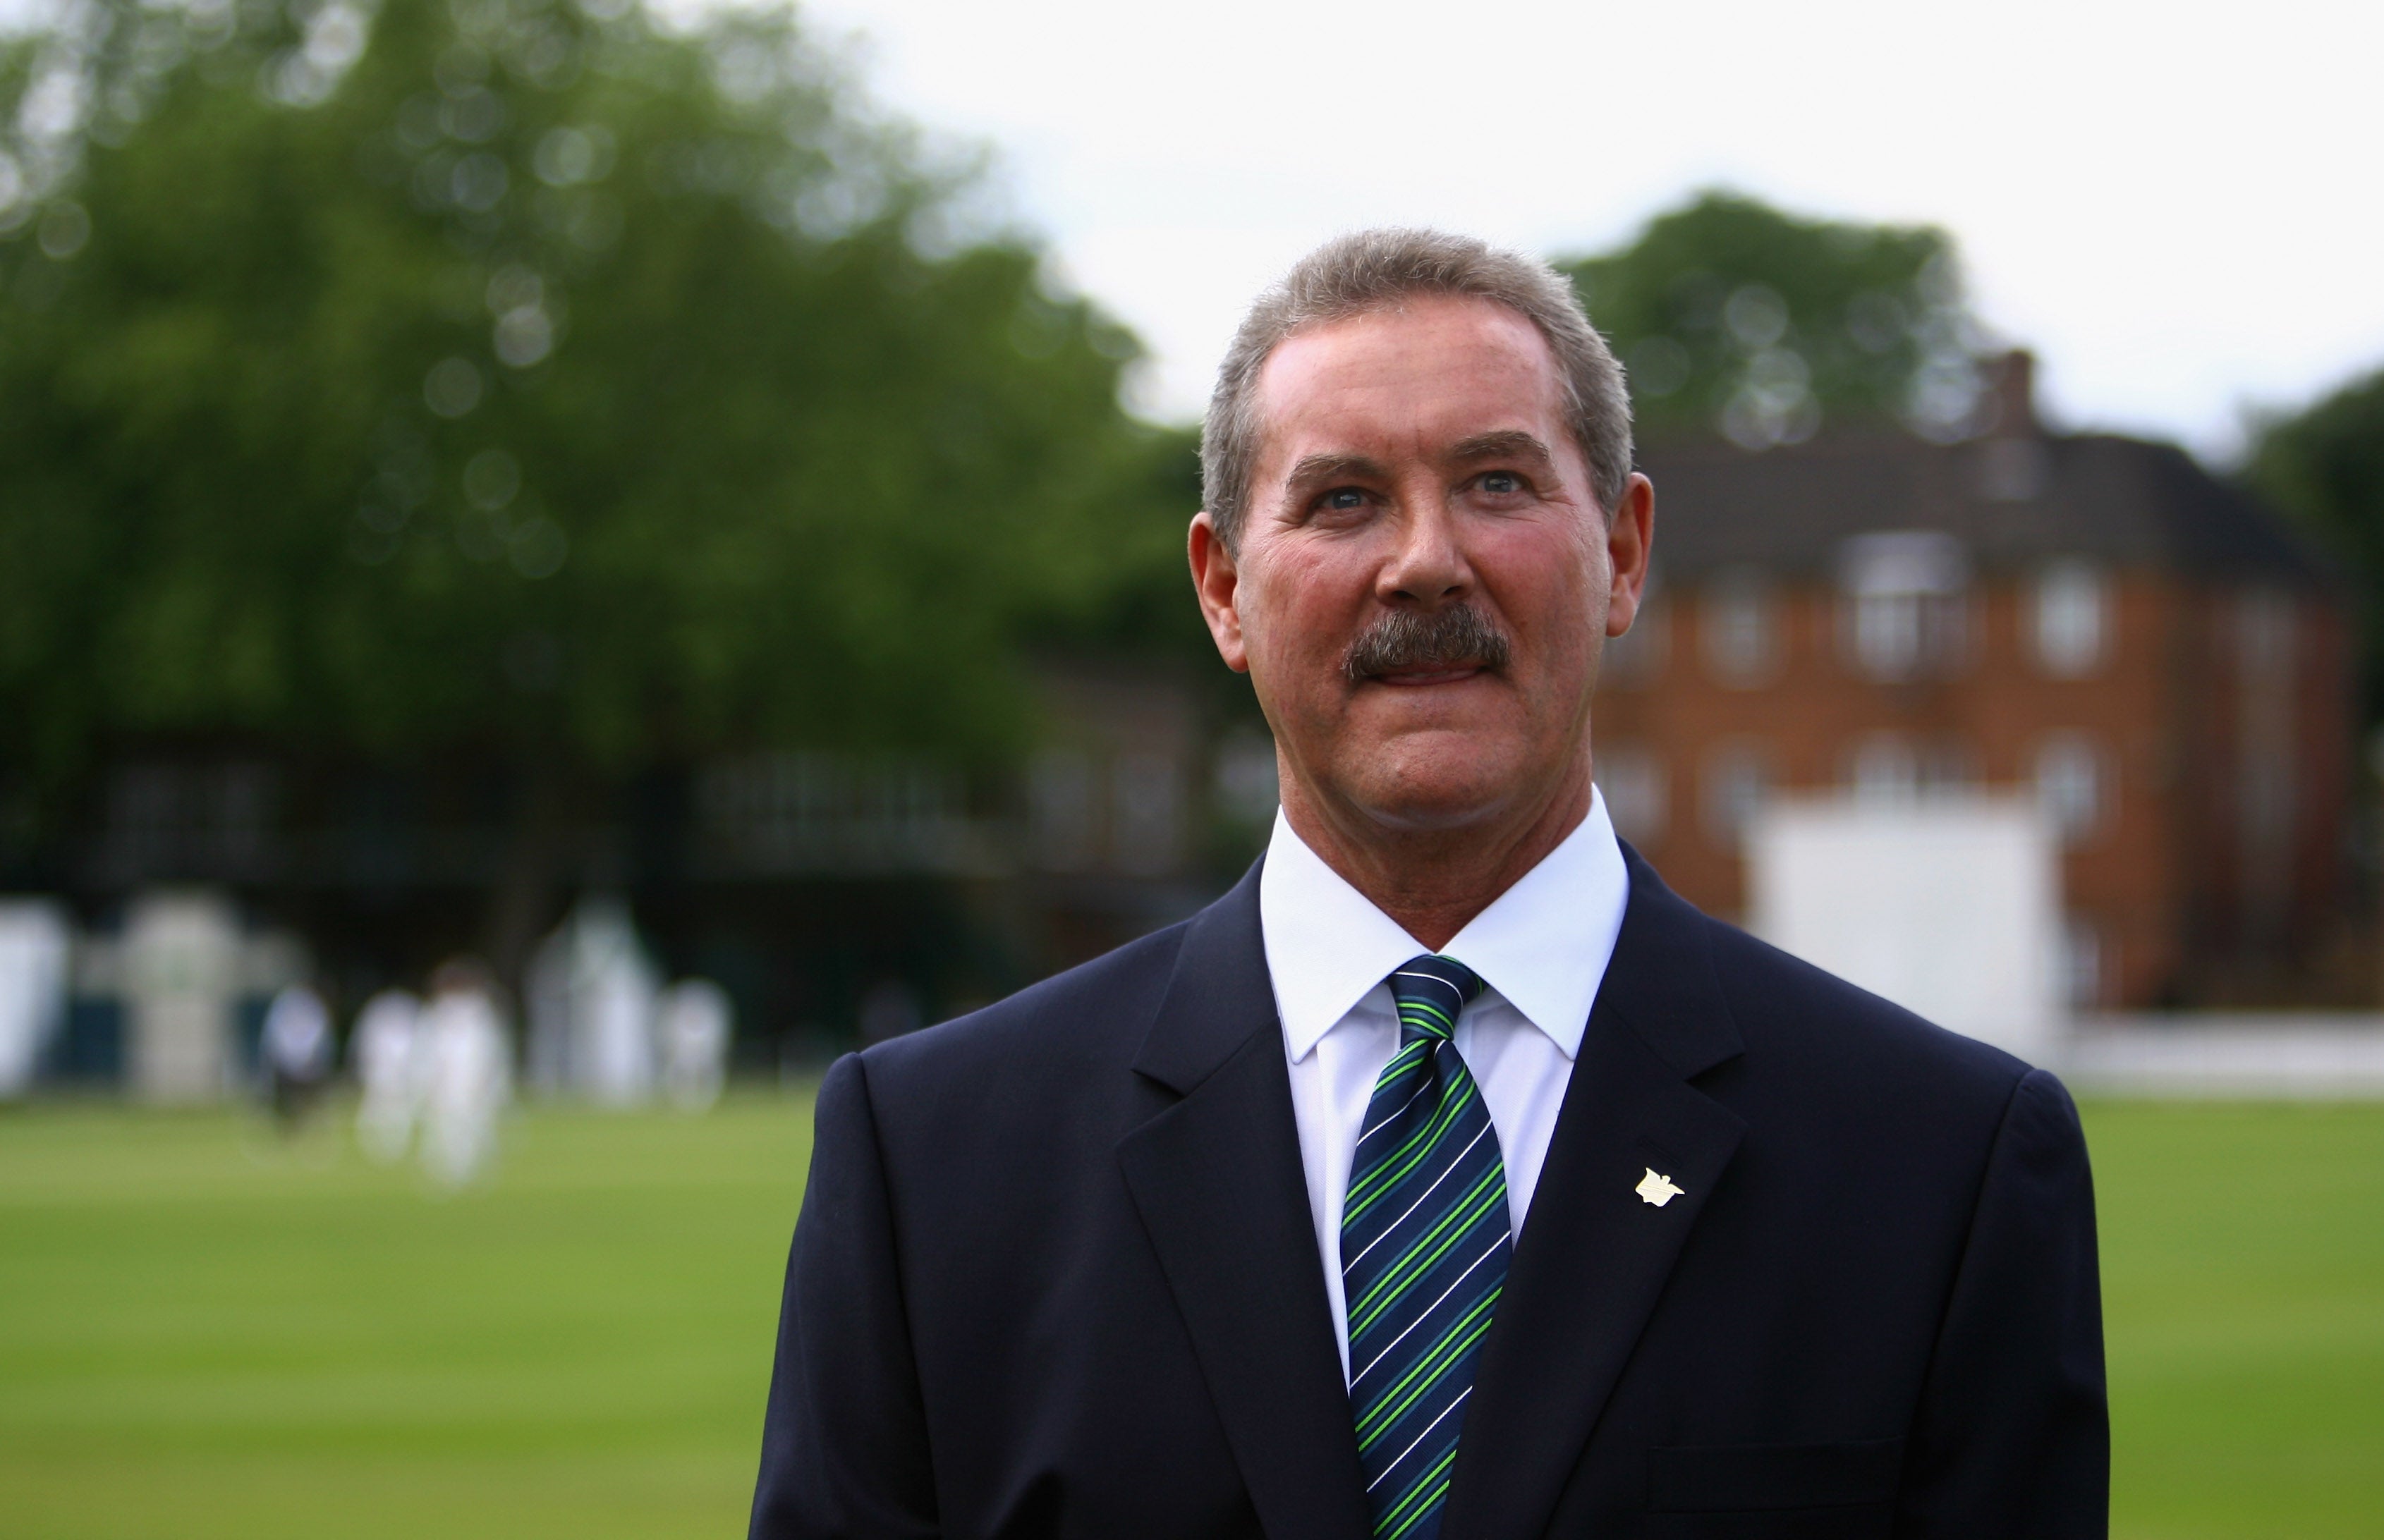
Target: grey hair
{"points": [[1375, 269]]}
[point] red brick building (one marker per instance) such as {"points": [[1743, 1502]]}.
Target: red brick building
{"points": [[2093, 619]]}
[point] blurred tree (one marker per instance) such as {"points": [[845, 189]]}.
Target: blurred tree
{"points": [[526, 374], [1731, 316], [2325, 466]]}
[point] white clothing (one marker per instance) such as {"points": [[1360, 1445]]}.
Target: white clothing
{"points": [[467, 1081], [694, 1024], [1541, 948], [35, 942], [389, 1071]]}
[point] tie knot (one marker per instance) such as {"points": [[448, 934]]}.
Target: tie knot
{"points": [[1431, 990]]}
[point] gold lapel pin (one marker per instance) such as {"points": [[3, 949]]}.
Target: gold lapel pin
{"points": [[1657, 1187]]}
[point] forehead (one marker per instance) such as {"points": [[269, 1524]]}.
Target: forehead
{"points": [[1433, 371]]}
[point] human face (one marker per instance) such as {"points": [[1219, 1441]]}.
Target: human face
{"points": [[1414, 461]]}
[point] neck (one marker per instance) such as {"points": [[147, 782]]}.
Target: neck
{"points": [[1434, 881]]}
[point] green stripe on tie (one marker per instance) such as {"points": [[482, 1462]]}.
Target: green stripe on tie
{"points": [[1424, 1250]]}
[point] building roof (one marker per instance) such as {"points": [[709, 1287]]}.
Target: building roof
{"points": [[2013, 503]]}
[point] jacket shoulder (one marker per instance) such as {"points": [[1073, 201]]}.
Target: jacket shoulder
{"points": [[1091, 1017], [1792, 1013]]}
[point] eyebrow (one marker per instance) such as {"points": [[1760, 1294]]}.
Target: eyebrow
{"points": [[1511, 444], [1314, 468]]}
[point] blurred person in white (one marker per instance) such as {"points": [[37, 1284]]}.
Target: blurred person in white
{"points": [[34, 940], [467, 1071], [617, 1024], [296, 1048], [389, 1070], [692, 1029]]}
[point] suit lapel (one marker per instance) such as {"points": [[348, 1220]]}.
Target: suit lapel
{"points": [[1594, 1256], [1218, 1181]]}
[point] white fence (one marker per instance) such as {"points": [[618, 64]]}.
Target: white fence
{"points": [[2311, 1056]]}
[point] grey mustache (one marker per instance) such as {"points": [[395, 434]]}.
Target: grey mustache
{"points": [[1406, 639]]}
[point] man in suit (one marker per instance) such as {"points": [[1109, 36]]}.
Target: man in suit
{"points": [[1448, 1177]]}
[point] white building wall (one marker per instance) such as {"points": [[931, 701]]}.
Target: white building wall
{"points": [[1950, 907]]}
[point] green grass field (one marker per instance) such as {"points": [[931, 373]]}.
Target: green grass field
{"points": [[204, 1334]]}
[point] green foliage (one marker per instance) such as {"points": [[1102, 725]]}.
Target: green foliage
{"points": [[1731, 316], [1132, 590], [2325, 467], [522, 373]]}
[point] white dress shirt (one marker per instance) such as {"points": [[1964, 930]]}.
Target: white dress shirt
{"points": [[1541, 948]]}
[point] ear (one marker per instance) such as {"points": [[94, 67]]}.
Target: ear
{"points": [[1629, 540], [1216, 579]]}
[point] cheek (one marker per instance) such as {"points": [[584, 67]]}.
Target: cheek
{"points": [[1551, 586], [1309, 602]]}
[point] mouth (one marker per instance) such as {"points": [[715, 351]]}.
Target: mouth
{"points": [[1432, 673]]}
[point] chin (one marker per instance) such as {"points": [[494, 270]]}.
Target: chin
{"points": [[1441, 797]]}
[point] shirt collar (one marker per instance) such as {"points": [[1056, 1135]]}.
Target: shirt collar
{"points": [[1543, 944]]}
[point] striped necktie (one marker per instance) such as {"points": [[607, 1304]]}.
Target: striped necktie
{"points": [[1423, 1253]]}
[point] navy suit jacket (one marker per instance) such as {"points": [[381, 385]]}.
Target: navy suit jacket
{"points": [[1055, 1273]]}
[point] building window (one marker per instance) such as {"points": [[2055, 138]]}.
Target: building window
{"points": [[2265, 792], [1737, 783], [2069, 784], [2083, 964], [1883, 770], [2264, 636], [2265, 643], [1742, 629], [1889, 770], [2070, 619], [1636, 797], [2013, 470], [1905, 611]]}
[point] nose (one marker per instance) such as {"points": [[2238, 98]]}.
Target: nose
{"points": [[1428, 568]]}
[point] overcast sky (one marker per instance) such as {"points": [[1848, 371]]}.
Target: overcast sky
{"points": [[2178, 206]]}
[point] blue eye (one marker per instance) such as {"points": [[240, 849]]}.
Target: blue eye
{"points": [[1344, 499], [1498, 483]]}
